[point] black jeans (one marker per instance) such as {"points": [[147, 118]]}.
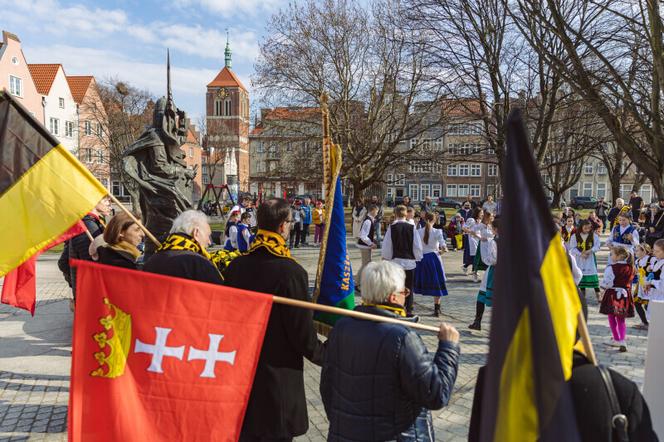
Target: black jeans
{"points": [[295, 236], [305, 233], [252, 438], [409, 285]]}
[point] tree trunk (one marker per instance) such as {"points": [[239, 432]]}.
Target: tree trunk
{"points": [[615, 183], [556, 199]]}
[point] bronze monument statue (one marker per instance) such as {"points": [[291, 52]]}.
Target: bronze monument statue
{"points": [[156, 162]]}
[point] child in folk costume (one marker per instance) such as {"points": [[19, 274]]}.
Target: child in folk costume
{"points": [[489, 252], [617, 301], [624, 235], [318, 216], [567, 231], [582, 246], [243, 236], [470, 240], [482, 232], [654, 286], [644, 269], [230, 231], [455, 232], [429, 272]]}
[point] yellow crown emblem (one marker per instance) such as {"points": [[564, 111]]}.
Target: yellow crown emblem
{"points": [[112, 358]]}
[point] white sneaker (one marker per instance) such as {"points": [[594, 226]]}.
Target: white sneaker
{"points": [[475, 277]]}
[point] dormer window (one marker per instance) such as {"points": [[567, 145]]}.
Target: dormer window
{"points": [[61, 102], [15, 60]]}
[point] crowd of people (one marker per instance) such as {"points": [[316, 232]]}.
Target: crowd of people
{"points": [[407, 380]]}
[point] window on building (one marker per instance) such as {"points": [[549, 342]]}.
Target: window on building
{"points": [[425, 190], [100, 156], [436, 190], [398, 192], [217, 108], [400, 179], [646, 193], [587, 189], [451, 190], [227, 107], [390, 192], [463, 189], [625, 190], [413, 192], [87, 127], [116, 188], [69, 129], [601, 190], [493, 169], [491, 189], [61, 103], [87, 155], [99, 130], [574, 192], [15, 86], [475, 190], [438, 144], [464, 170], [452, 170], [260, 148], [54, 126], [191, 152], [475, 170], [588, 169], [601, 169]]}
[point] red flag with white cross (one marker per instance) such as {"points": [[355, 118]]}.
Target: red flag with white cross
{"points": [[157, 358]]}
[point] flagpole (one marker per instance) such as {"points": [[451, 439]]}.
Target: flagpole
{"points": [[351, 313], [585, 339], [134, 219]]}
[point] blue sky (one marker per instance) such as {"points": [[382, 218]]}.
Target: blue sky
{"points": [[127, 39]]}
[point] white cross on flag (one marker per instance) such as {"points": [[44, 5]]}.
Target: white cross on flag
{"points": [[158, 358]]}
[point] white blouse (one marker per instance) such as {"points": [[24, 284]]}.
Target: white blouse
{"points": [[436, 240]]}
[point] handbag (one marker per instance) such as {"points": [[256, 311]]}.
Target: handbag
{"points": [[619, 422]]}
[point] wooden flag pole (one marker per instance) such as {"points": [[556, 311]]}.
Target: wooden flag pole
{"points": [[87, 232], [351, 313], [585, 339], [133, 218]]}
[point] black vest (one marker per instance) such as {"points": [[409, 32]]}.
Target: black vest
{"points": [[372, 229], [402, 234]]}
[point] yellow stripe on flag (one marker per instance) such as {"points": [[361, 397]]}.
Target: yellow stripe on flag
{"points": [[45, 201], [563, 299], [517, 418]]}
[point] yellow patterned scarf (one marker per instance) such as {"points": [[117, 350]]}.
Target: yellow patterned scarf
{"points": [[390, 308], [180, 241], [272, 242]]}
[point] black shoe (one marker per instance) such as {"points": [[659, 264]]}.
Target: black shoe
{"points": [[622, 349], [410, 317], [475, 326], [436, 310]]}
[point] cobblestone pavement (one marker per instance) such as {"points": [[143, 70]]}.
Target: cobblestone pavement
{"points": [[35, 355]]}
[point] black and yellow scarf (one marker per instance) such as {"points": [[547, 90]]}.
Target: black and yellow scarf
{"points": [[272, 242], [399, 311], [180, 241]]}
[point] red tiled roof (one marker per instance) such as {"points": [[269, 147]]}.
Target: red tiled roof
{"points": [[43, 76], [293, 113], [78, 85], [226, 78], [465, 107]]}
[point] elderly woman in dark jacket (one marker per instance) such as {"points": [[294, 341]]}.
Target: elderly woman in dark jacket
{"points": [[122, 237], [378, 380]]}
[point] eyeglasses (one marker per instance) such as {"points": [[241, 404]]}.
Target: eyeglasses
{"points": [[289, 220], [405, 292]]}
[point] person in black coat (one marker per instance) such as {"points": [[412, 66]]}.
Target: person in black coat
{"points": [[78, 247], [122, 237], [378, 381], [591, 404], [654, 225], [183, 254], [277, 408]]}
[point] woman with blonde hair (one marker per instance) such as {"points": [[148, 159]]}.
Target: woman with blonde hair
{"points": [[122, 237]]}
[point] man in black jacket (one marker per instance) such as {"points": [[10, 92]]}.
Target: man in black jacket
{"points": [[183, 254], [78, 247], [602, 211], [379, 381], [277, 408]]}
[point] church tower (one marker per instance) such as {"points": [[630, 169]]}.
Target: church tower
{"points": [[227, 118]]}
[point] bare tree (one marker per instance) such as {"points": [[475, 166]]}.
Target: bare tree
{"points": [[612, 58], [373, 71], [122, 116]]}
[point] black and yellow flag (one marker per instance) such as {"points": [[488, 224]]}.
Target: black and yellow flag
{"points": [[535, 310], [44, 189]]}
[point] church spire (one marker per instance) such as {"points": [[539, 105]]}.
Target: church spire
{"points": [[228, 52]]}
